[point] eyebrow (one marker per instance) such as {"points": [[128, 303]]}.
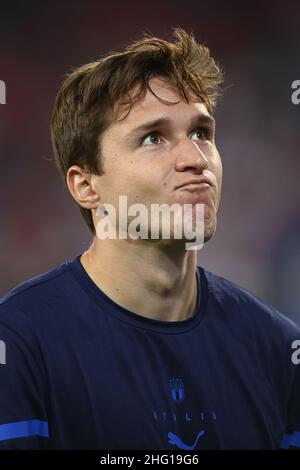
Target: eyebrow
{"points": [[165, 122]]}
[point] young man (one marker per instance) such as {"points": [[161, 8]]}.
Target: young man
{"points": [[131, 345]]}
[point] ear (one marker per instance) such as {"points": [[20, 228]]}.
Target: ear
{"points": [[80, 186]]}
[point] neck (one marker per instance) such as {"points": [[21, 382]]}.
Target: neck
{"points": [[152, 280]]}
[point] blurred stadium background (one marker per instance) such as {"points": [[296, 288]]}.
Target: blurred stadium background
{"points": [[257, 243]]}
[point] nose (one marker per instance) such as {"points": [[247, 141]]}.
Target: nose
{"points": [[191, 156]]}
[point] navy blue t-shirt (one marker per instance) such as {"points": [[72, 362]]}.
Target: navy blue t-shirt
{"points": [[78, 371]]}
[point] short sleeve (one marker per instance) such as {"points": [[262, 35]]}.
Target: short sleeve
{"points": [[23, 417]]}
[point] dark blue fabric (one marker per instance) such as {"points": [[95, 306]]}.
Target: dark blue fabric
{"points": [[102, 377]]}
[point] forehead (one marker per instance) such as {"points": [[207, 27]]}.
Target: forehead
{"points": [[151, 107]]}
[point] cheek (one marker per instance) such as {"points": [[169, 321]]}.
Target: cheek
{"points": [[218, 168], [138, 186], [220, 173]]}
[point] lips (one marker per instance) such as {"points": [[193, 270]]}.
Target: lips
{"points": [[196, 191], [196, 184]]}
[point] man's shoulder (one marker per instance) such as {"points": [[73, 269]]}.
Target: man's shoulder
{"points": [[41, 290], [239, 303]]}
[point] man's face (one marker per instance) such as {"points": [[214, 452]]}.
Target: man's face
{"points": [[148, 165]]}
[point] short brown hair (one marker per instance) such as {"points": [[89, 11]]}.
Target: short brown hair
{"points": [[87, 101]]}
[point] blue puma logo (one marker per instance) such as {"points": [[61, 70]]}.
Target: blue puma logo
{"points": [[175, 440]]}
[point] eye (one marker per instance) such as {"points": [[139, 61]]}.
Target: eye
{"points": [[203, 132], [147, 136]]}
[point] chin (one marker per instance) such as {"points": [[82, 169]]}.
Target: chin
{"points": [[210, 223], [210, 226]]}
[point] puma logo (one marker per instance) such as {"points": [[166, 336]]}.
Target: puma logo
{"points": [[175, 440]]}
